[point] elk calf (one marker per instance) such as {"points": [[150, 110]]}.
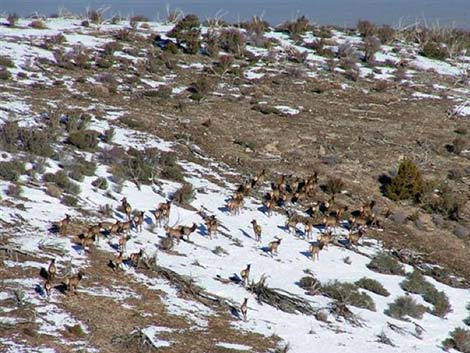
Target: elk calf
{"points": [[127, 208], [314, 250]]}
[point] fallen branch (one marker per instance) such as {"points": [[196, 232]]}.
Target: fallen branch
{"points": [[280, 299]]}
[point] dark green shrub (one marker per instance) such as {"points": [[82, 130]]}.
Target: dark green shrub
{"points": [[5, 61], [11, 170], [415, 283], [407, 184], [334, 185], [297, 27], [184, 195], [309, 282], [187, 33], [200, 89], [61, 179], [435, 50], [459, 340], [387, 264], [405, 306], [373, 286], [169, 168], [69, 200], [100, 183], [232, 41], [80, 168], [83, 139], [348, 294], [37, 142]]}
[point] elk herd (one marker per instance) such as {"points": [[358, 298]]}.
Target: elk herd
{"points": [[326, 215]]}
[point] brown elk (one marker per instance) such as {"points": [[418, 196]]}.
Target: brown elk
{"points": [[245, 274], [158, 214], [136, 257], [126, 208], [115, 228], [48, 287], [138, 221], [256, 230], [174, 233], [125, 227], [122, 242], [353, 237], [164, 208], [291, 225], [366, 209], [211, 225], [85, 242], [51, 270], [234, 205], [63, 223], [308, 228], [325, 239], [244, 309], [185, 230], [274, 246], [314, 250], [71, 283], [116, 263], [329, 222], [269, 204], [258, 179]]}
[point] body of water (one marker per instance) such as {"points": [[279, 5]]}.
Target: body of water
{"points": [[454, 13]]}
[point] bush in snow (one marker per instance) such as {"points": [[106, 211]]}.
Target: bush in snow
{"points": [[459, 340], [232, 41], [296, 27], [14, 190], [38, 24], [405, 306], [100, 183], [12, 19], [11, 170], [184, 195], [366, 28], [373, 286], [387, 264], [435, 50], [84, 139], [348, 294], [61, 180]]}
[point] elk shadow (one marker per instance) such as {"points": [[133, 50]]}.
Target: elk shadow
{"points": [[39, 289], [43, 273], [202, 230], [245, 233]]}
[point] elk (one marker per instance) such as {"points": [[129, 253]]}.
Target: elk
{"points": [[94, 230], [126, 207], [269, 204], [188, 230], [136, 257], [125, 227], [63, 223], [48, 287], [366, 209], [353, 237], [256, 230], [245, 274], [244, 308], [258, 179], [274, 245], [314, 250], [164, 208], [338, 211], [116, 263], [291, 225], [106, 226], [71, 283], [174, 233], [138, 221], [234, 205], [282, 186], [329, 222], [308, 228], [116, 227], [212, 225], [85, 242], [122, 242], [51, 270], [325, 239], [358, 222], [158, 214]]}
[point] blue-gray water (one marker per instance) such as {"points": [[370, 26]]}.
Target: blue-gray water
{"points": [[454, 13]]}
